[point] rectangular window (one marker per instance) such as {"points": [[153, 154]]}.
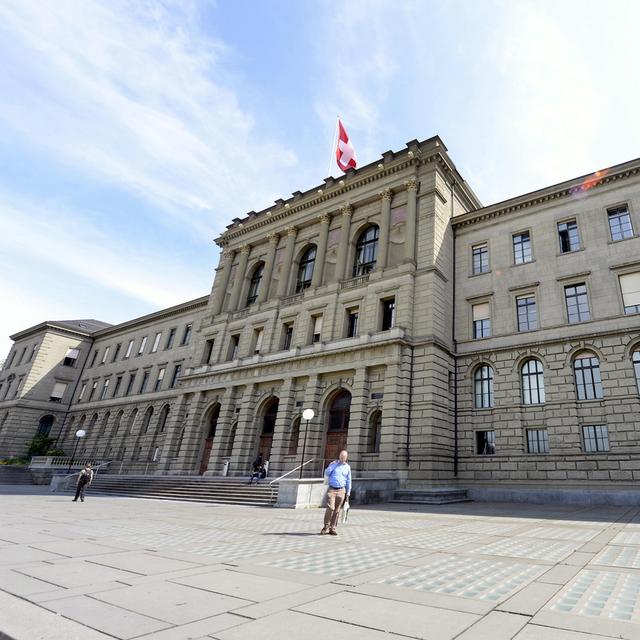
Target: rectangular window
{"points": [[83, 388], [71, 357], [176, 374], [186, 336], [537, 441], [596, 438], [522, 248], [129, 349], [577, 302], [170, 338], [143, 344], [481, 320], [33, 352], [159, 380], [105, 387], [12, 355], [352, 323], [258, 335], [630, 286], [94, 386], [388, 314], [568, 236], [620, 223], [527, 312], [116, 352], [316, 331], [132, 377], [208, 351], [105, 355], [57, 393], [156, 342], [116, 387], [24, 350], [234, 343], [485, 442], [480, 258], [287, 335], [143, 384], [20, 379], [93, 358]]}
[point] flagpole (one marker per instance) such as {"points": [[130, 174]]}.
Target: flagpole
{"points": [[333, 147]]}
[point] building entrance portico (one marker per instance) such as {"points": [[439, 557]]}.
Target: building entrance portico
{"points": [[268, 424]]}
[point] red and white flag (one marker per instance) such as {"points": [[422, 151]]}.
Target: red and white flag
{"points": [[345, 153]]}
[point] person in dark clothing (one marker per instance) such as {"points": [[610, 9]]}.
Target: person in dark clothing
{"points": [[257, 469], [85, 478]]}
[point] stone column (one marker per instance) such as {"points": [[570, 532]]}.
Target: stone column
{"points": [[383, 241], [223, 431], [321, 251], [244, 445], [223, 273], [263, 293], [315, 435], [241, 272], [343, 246], [175, 422], [285, 274], [189, 456], [358, 423], [281, 433], [395, 404], [411, 232]]}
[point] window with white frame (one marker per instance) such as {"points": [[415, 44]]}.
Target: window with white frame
{"points": [[94, 386], [532, 382], [636, 366], [483, 386], [143, 344], [620, 224], [587, 375], [481, 313], [568, 236], [352, 322], [156, 342], [537, 441], [83, 388], [105, 387], [186, 336], [522, 248], [105, 355], [316, 329], [480, 254], [129, 349], [596, 438], [57, 393], [577, 302], [630, 287], [527, 312], [258, 336]]}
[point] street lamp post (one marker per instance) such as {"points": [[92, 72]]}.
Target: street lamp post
{"points": [[307, 414], [80, 433]]}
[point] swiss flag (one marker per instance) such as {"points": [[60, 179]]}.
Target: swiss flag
{"points": [[345, 153]]}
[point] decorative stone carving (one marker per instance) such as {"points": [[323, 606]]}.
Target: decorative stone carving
{"points": [[385, 194], [411, 184]]}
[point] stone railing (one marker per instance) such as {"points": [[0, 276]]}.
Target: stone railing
{"points": [[296, 297], [354, 282], [243, 313], [54, 462]]}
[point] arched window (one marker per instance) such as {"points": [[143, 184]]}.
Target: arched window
{"points": [[294, 437], [305, 269], [45, 424], [587, 373], [636, 367], [147, 420], [92, 424], [270, 415], [532, 382], [132, 421], [116, 424], [366, 251], [375, 432], [254, 284], [105, 422], [483, 387], [162, 420], [340, 411]]}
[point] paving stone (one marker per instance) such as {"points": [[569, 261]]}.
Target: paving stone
{"points": [[73, 573], [536, 632], [579, 534], [530, 599], [18, 554], [497, 625], [618, 556], [141, 563], [75, 548], [544, 550]]}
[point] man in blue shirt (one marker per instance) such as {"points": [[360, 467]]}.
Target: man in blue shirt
{"points": [[338, 476]]}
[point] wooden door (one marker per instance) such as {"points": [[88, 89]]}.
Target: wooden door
{"points": [[336, 442], [266, 439], [206, 454]]}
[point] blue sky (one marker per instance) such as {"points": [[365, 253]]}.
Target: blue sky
{"points": [[131, 133]]}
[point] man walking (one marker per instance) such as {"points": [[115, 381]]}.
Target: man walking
{"points": [[85, 478], [338, 475]]}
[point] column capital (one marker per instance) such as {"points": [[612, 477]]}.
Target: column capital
{"points": [[226, 255], [273, 238], [385, 194], [346, 210], [324, 218], [411, 184], [291, 231], [245, 248]]}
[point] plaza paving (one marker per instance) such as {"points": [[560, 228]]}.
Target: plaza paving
{"points": [[128, 568]]}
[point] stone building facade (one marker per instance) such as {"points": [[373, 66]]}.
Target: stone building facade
{"points": [[439, 341]]}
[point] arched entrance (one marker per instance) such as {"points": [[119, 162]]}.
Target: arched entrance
{"points": [[268, 426], [45, 424], [208, 443], [337, 425]]}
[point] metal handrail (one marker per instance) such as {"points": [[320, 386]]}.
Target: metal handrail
{"points": [[288, 474], [65, 478]]}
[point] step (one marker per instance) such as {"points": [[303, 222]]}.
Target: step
{"points": [[435, 495], [15, 475]]}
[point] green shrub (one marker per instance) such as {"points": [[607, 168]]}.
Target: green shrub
{"points": [[42, 445]]}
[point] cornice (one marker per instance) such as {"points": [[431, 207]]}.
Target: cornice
{"points": [[569, 188]]}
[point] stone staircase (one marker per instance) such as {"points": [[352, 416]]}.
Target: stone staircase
{"points": [[430, 495], [189, 488], [15, 475]]}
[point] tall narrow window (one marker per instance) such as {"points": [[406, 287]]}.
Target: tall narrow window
{"points": [[374, 434], [186, 336], [71, 357], [316, 330], [258, 335], [93, 358], [94, 386], [486, 442], [143, 344], [527, 312], [481, 320], [537, 441], [156, 342], [170, 338], [234, 344], [294, 436], [587, 375], [532, 382], [159, 379], [352, 323], [116, 387], [577, 302], [483, 387], [24, 350], [522, 248], [105, 355], [620, 223], [162, 420], [146, 421], [287, 335], [83, 388], [208, 351], [636, 367], [33, 352], [254, 284], [145, 380], [388, 314], [480, 255], [568, 236], [132, 377], [176, 374], [116, 352], [105, 387], [57, 393], [305, 269], [129, 349], [596, 438], [630, 286], [366, 251]]}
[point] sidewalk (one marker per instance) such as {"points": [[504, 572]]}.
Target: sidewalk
{"points": [[127, 568]]}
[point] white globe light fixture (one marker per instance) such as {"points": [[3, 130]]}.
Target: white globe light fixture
{"points": [[80, 433], [307, 414]]}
